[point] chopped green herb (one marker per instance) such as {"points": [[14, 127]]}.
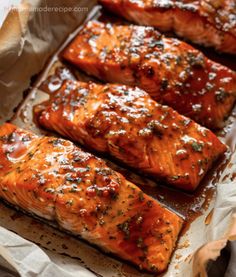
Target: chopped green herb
{"points": [[140, 242], [141, 196], [154, 268], [49, 190], [149, 203], [158, 43], [175, 177], [220, 95], [125, 228], [164, 84], [70, 202], [30, 154], [119, 212], [185, 122], [101, 222], [197, 147], [73, 188]]}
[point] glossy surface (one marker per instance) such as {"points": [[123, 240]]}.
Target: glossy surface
{"points": [[127, 124], [56, 180], [206, 22], [171, 71]]}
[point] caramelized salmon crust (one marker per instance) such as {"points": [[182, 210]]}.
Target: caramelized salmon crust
{"points": [[127, 124], [171, 71], [206, 22], [54, 179]]}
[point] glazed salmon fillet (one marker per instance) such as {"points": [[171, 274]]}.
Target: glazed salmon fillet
{"points": [[206, 22], [128, 125], [171, 71], [56, 180]]}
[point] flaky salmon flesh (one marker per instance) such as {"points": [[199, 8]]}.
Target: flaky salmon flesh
{"points": [[127, 124], [54, 179], [171, 71], [206, 22]]}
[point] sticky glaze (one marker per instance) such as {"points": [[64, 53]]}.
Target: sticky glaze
{"points": [[171, 71], [127, 124], [206, 22], [56, 180]]}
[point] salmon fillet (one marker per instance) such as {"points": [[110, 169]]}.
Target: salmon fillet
{"points": [[171, 71], [56, 180], [206, 22], [127, 124]]}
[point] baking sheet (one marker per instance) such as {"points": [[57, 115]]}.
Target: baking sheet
{"points": [[208, 215]]}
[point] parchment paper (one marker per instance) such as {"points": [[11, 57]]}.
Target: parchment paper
{"points": [[27, 40], [28, 36], [29, 260]]}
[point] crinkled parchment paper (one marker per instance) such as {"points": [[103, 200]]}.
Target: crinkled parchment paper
{"points": [[28, 259], [28, 38]]}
